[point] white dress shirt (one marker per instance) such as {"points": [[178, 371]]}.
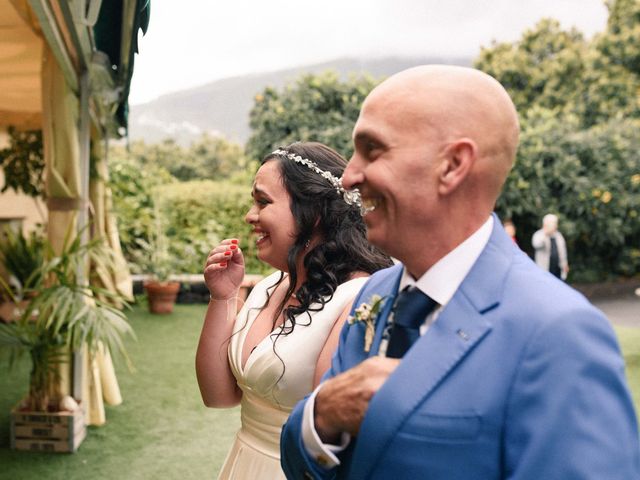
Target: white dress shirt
{"points": [[440, 283]]}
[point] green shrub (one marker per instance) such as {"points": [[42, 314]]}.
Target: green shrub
{"points": [[194, 215], [133, 203], [23, 162], [199, 214], [591, 180], [22, 256], [579, 108]]}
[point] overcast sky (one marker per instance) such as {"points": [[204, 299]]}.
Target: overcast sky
{"points": [[193, 42]]}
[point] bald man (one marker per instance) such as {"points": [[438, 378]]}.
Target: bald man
{"points": [[482, 366]]}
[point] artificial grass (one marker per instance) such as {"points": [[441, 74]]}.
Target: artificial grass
{"points": [[162, 430]]}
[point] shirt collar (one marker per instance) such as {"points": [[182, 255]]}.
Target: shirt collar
{"points": [[442, 280]]}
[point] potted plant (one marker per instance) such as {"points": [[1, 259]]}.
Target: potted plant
{"points": [[161, 289], [62, 316], [154, 260], [21, 257]]}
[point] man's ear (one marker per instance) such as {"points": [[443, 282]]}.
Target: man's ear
{"points": [[458, 159]]}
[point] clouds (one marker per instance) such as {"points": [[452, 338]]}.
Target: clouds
{"points": [[193, 42]]}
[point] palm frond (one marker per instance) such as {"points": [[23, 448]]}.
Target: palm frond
{"points": [[63, 315]]}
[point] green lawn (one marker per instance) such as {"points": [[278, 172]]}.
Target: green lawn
{"points": [[630, 344], [162, 430]]}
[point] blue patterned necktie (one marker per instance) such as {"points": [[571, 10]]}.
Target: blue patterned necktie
{"points": [[411, 309]]}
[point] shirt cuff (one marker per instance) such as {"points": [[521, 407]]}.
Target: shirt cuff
{"points": [[322, 453]]}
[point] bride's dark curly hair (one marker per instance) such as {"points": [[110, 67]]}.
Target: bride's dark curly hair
{"points": [[317, 208]]}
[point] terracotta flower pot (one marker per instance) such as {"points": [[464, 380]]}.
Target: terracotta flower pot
{"points": [[9, 311], [161, 295]]}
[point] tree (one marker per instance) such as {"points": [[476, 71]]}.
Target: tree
{"points": [[319, 108], [544, 68], [23, 162], [166, 155], [591, 179], [209, 157], [611, 83], [579, 104], [216, 158], [621, 41]]}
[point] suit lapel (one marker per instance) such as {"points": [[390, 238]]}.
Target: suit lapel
{"points": [[458, 329], [383, 318], [384, 283]]}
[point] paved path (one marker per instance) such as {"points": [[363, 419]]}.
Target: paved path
{"points": [[623, 310]]}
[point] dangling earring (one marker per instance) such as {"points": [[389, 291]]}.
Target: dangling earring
{"points": [[306, 244]]}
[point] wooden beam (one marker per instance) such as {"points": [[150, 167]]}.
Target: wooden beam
{"points": [[55, 38]]}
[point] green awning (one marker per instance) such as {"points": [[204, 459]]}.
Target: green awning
{"points": [[108, 38]]}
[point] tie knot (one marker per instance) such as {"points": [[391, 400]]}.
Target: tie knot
{"points": [[412, 307]]}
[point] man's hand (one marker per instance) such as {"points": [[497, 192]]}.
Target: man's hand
{"points": [[342, 401]]}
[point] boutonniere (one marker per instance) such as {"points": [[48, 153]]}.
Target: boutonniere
{"points": [[367, 314]]}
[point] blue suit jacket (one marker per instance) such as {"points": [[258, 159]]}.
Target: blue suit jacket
{"points": [[520, 377]]}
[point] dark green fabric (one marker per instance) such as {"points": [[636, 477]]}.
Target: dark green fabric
{"points": [[108, 34]]}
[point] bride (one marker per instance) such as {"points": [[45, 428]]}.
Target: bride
{"points": [[276, 349]]}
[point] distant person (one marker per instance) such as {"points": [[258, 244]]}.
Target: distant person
{"points": [[550, 248], [510, 228], [275, 350]]}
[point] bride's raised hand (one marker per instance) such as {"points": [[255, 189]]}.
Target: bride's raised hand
{"points": [[224, 270]]}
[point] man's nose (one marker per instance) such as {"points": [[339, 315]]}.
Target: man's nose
{"points": [[352, 175]]}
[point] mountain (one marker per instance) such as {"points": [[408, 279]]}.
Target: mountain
{"points": [[222, 107]]}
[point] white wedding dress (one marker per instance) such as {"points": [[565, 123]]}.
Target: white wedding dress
{"points": [[272, 384]]}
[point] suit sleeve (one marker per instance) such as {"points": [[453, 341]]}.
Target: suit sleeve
{"points": [[295, 460], [570, 414]]}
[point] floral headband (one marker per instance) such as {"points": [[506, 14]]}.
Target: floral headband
{"points": [[351, 197]]}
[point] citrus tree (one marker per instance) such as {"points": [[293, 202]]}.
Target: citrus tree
{"points": [[321, 108], [579, 107]]}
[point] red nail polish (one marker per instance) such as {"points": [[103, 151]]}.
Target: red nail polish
{"points": [[233, 247], [234, 241], [223, 264], [227, 253]]}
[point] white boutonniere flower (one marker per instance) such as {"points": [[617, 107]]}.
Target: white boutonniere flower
{"points": [[367, 314]]}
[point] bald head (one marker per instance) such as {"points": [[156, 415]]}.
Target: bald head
{"points": [[550, 223], [432, 148], [453, 103]]}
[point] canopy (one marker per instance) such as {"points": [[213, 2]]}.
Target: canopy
{"points": [[65, 68], [97, 36], [20, 60]]}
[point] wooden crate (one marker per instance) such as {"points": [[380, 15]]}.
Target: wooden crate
{"points": [[47, 432]]}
